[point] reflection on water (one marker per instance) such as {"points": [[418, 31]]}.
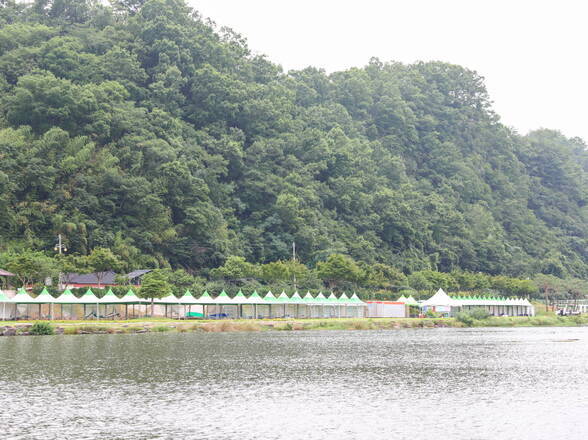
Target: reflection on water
{"points": [[406, 384]]}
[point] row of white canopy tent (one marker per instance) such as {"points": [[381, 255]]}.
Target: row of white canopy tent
{"points": [[223, 299], [441, 301], [66, 298], [336, 306]]}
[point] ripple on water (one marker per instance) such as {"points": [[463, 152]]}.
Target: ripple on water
{"points": [[405, 384]]}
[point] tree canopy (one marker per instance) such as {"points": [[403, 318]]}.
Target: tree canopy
{"points": [[142, 128]]}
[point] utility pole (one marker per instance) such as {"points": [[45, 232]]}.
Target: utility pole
{"points": [[60, 247], [294, 260]]}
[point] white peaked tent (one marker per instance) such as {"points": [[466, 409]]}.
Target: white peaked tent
{"points": [[440, 299], [170, 302], [170, 299]]}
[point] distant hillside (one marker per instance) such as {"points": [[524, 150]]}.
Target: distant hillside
{"points": [[143, 129]]}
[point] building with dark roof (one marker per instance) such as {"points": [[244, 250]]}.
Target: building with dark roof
{"points": [[135, 276]]}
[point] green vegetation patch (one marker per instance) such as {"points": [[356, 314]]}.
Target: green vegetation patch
{"points": [[42, 328]]}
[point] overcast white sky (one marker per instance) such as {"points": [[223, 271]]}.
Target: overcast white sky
{"points": [[533, 54]]}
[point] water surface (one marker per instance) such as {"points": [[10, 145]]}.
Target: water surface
{"points": [[527, 383]]}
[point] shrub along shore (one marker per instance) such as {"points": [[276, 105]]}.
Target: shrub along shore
{"points": [[162, 325]]}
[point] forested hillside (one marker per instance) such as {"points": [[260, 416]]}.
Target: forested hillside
{"points": [[145, 129]]}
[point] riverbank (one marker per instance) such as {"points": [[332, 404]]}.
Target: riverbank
{"points": [[164, 325]]}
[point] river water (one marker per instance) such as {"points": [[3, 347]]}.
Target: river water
{"points": [[525, 383]]}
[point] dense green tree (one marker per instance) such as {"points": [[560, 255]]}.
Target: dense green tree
{"points": [[430, 280], [142, 128], [337, 269], [30, 267], [235, 268], [155, 285], [382, 276], [101, 261]]}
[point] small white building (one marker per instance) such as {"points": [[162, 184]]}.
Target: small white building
{"points": [[387, 309]]}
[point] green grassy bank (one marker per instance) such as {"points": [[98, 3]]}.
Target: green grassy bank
{"points": [[166, 325]]}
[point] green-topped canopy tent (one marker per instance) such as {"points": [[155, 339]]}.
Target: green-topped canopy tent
{"points": [[344, 302], [283, 299], [22, 297], [240, 299], [297, 300], [308, 301], [205, 300], [220, 301], [187, 299], [334, 302], [44, 298], [321, 300], [90, 298], [270, 299], [67, 297], [4, 300], [131, 298], [256, 300]]}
